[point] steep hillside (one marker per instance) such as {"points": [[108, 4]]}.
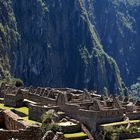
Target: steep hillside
{"points": [[118, 25], [8, 36], [60, 47], [59, 44]]}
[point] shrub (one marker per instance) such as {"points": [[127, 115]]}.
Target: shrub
{"points": [[113, 134], [47, 117], [47, 127], [19, 83], [48, 123], [13, 81]]}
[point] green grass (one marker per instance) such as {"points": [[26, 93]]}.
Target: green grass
{"points": [[24, 110], [61, 113], [75, 135], [5, 107]]}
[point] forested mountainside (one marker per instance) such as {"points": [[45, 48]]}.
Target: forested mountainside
{"points": [[70, 43], [118, 25], [8, 37]]}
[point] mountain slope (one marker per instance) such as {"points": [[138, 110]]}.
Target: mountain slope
{"points": [[117, 22], [8, 36], [58, 45]]}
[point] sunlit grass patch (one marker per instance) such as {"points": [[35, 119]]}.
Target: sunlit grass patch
{"points": [[110, 126], [24, 110], [2, 99], [5, 107], [75, 135]]}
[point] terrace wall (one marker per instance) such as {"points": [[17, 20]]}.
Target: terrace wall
{"points": [[123, 136], [133, 115], [17, 128], [36, 111], [1, 119], [13, 121], [92, 118], [31, 133], [41, 100]]}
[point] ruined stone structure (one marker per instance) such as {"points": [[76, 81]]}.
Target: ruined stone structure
{"points": [[87, 107], [36, 111], [15, 127], [13, 97]]}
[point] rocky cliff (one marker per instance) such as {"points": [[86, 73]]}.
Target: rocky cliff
{"points": [[118, 25], [61, 43]]}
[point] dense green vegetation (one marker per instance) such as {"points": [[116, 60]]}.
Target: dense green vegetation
{"points": [[112, 131], [135, 89], [41, 53], [12, 81], [8, 37], [48, 122]]}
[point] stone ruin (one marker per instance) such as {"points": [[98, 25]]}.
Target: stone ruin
{"points": [[13, 97], [87, 107], [12, 126]]}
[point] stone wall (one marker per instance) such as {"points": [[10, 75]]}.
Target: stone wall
{"points": [[31, 133], [25, 93], [1, 119], [92, 118], [36, 111], [13, 121], [12, 101], [13, 98], [42, 100], [133, 115], [123, 136], [77, 104], [17, 128]]}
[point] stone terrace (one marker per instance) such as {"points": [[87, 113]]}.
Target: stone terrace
{"points": [[15, 127], [87, 107]]}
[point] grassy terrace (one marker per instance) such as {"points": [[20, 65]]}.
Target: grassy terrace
{"points": [[75, 135], [120, 123], [23, 110], [116, 130], [117, 124]]}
